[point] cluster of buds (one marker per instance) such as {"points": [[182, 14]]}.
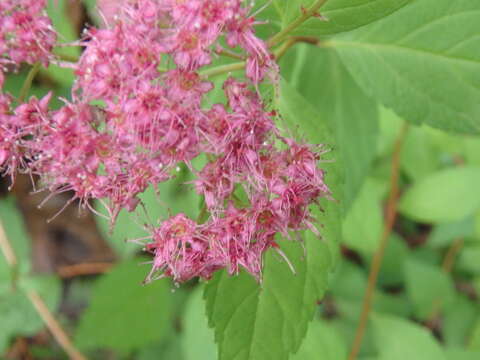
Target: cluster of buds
{"points": [[144, 68]]}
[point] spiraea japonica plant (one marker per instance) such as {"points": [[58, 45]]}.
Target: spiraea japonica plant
{"points": [[145, 67], [271, 109]]}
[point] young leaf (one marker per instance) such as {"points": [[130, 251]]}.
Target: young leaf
{"points": [[269, 321], [424, 77], [445, 196], [123, 314]]}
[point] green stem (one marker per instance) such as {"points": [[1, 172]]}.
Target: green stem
{"points": [[28, 82], [292, 41], [218, 70], [278, 37]]}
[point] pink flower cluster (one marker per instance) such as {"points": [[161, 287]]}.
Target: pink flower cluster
{"points": [[26, 33], [143, 69]]}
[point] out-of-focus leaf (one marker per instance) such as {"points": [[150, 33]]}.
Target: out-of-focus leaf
{"points": [[390, 127], [458, 321], [462, 354], [399, 339], [444, 234], [123, 314], [170, 349], [348, 286], [18, 315], [198, 339], [474, 338], [322, 341], [321, 78], [16, 233], [445, 196], [469, 259], [362, 227], [418, 158], [396, 253], [402, 61], [472, 150], [428, 287]]}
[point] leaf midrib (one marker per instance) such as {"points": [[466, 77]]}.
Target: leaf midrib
{"points": [[397, 47]]}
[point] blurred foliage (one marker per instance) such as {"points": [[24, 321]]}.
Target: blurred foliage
{"points": [[426, 303]]}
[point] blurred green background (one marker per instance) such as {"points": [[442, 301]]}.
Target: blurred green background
{"points": [[426, 303]]}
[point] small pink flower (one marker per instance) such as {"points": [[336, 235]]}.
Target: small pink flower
{"points": [[26, 33]]}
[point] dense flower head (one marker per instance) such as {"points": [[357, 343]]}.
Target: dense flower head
{"points": [[143, 69], [26, 33]]}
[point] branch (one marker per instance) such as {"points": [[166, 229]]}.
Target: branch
{"points": [[70, 271], [292, 41], [308, 13], [52, 324], [218, 70], [28, 82], [391, 214]]}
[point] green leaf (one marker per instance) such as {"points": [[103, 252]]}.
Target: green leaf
{"points": [[428, 287], [445, 196], [269, 321], [342, 15], [123, 314], [461, 354], [197, 339], [419, 158], [458, 321], [390, 126], [469, 259], [396, 253], [349, 281], [18, 315], [170, 349], [399, 339], [424, 77], [362, 232], [474, 338], [321, 78], [322, 340], [12, 221], [444, 234]]}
